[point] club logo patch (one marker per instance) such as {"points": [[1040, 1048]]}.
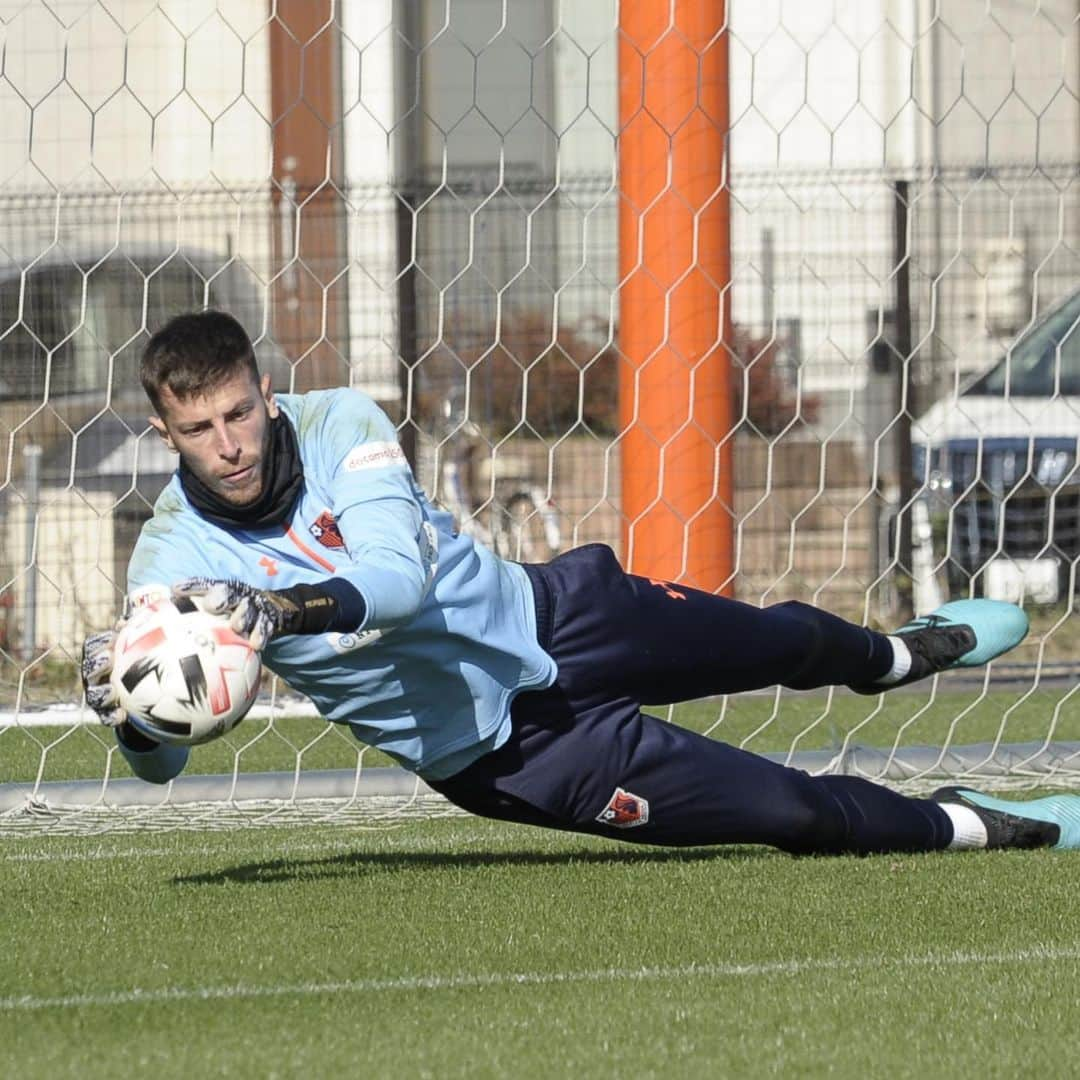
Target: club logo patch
{"points": [[624, 810], [325, 529]]}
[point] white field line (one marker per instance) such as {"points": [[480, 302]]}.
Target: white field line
{"points": [[412, 983], [75, 715], [154, 853], [278, 852]]}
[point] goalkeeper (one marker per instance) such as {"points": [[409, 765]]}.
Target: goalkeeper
{"points": [[514, 690]]}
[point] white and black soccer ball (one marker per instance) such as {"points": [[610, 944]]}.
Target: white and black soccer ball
{"points": [[181, 674]]}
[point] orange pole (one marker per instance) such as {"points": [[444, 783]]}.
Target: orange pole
{"points": [[675, 270], [308, 228]]}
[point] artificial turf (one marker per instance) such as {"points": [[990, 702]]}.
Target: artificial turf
{"points": [[459, 947]]}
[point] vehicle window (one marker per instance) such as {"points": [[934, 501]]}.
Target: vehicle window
{"points": [[1043, 363], [93, 325], [51, 315]]}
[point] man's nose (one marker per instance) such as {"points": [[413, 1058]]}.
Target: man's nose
{"points": [[227, 446]]}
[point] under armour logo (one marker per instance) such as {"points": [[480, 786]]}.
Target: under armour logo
{"points": [[269, 565], [668, 588]]}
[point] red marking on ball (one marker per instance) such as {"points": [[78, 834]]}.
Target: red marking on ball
{"points": [[142, 645]]}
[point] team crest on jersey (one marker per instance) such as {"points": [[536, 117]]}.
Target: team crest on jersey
{"points": [[325, 529], [624, 810]]}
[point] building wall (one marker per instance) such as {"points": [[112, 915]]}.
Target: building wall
{"points": [[133, 97], [72, 556], [976, 104]]}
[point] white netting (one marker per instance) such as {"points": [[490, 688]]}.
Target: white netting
{"points": [[444, 203]]}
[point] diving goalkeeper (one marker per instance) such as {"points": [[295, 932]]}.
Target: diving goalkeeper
{"points": [[514, 690]]}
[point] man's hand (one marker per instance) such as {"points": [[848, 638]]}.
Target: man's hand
{"points": [[262, 615], [97, 663], [258, 614]]}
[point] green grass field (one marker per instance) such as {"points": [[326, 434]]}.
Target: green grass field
{"points": [[458, 947], [463, 948]]}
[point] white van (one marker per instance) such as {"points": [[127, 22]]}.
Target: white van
{"points": [[998, 465]]}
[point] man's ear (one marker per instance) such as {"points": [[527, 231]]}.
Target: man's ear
{"points": [[268, 396], [159, 426]]}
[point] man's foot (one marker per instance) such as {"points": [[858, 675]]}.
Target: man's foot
{"points": [[963, 633], [1016, 823]]}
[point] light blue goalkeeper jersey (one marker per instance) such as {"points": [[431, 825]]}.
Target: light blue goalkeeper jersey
{"points": [[449, 636]]}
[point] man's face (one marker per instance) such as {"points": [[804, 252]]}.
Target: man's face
{"points": [[223, 436]]}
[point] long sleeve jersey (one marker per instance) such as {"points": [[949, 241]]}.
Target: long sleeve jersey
{"points": [[449, 634]]}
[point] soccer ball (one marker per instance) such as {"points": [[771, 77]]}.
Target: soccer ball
{"points": [[183, 675]]}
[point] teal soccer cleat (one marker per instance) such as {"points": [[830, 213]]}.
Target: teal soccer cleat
{"points": [[960, 634], [1050, 821]]}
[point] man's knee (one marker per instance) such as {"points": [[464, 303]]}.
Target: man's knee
{"points": [[808, 819], [799, 625]]}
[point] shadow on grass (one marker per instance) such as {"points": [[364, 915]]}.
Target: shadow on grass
{"points": [[355, 864]]}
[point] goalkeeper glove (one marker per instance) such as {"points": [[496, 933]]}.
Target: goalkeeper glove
{"points": [[96, 667], [264, 614], [97, 664]]}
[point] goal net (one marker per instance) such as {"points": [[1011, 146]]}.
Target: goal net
{"points": [[776, 299]]}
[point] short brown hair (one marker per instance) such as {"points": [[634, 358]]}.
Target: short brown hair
{"points": [[193, 353]]}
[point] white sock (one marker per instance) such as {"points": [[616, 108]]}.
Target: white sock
{"points": [[901, 664], [968, 830]]}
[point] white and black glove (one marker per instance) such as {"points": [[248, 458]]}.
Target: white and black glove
{"points": [[97, 665], [261, 615], [98, 654]]}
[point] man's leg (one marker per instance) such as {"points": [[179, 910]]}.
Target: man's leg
{"points": [[583, 745], [616, 634], [612, 771]]}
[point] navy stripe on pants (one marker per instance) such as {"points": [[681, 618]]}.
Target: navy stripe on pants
{"points": [[623, 641]]}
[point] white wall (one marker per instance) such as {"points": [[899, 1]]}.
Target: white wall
{"points": [[132, 97], [888, 89], [851, 84], [587, 122], [370, 121], [73, 562]]}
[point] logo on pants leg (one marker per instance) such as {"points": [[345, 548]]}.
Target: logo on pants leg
{"points": [[624, 810]]}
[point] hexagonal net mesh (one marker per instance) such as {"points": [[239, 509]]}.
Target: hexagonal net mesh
{"points": [[776, 299]]}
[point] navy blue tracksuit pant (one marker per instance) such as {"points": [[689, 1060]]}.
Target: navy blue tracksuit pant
{"points": [[582, 756]]}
